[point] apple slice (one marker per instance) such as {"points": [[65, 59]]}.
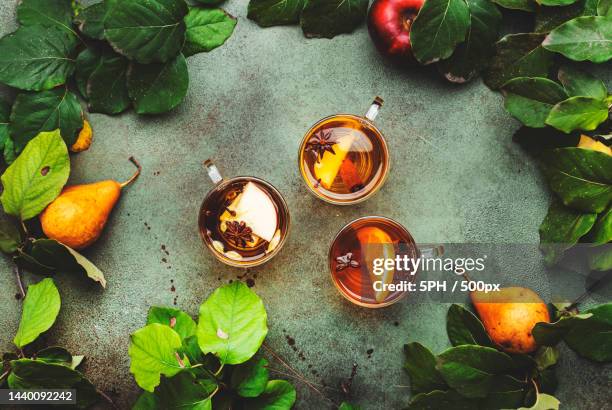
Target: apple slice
{"points": [[255, 208], [376, 243], [327, 168]]}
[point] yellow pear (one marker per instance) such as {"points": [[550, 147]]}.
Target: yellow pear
{"points": [[77, 216], [509, 316]]}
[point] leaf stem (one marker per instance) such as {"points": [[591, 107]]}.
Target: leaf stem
{"points": [[107, 398], [298, 375], [282, 373], [136, 174], [218, 372], [3, 375], [22, 290]]}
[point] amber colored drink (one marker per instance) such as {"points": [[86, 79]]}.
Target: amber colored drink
{"points": [[352, 255], [344, 159], [244, 221]]}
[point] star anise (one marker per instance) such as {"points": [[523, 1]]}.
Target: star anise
{"points": [[344, 261], [238, 233], [320, 142]]}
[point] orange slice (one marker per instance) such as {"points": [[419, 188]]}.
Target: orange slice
{"points": [[376, 243]]}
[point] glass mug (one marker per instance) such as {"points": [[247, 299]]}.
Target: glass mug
{"points": [[352, 254], [344, 158], [244, 221]]}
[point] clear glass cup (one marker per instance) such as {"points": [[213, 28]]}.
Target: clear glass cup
{"points": [[243, 221], [344, 158]]}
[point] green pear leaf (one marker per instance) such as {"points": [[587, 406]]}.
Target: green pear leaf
{"points": [[548, 18], [578, 113], [464, 328], [438, 28], [153, 352], [328, 18], [602, 230], [232, 323], [55, 354], [549, 334], [544, 402], [604, 8], [86, 63], [268, 13], [506, 392], [107, 85], [553, 3], [278, 395], [524, 5], [207, 29], [592, 338], [530, 99], [561, 229], [587, 38], [36, 177], [10, 236], [474, 54], [577, 83], [91, 19], [438, 399], [5, 113], [182, 392], [49, 110], [147, 30], [46, 12], [582, 178], [421, 367], [518, 55], [36, 57], [158, 88], [178, 320], [40, 309], [250, 379]]}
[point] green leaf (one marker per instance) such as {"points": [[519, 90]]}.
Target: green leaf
{"points": [[10, 237], [107, 85], [154, 351], [178, 320], [328, 18], [604, 8], [46, 12], [91, 19], [582, 178], [602, 230], [580, 84], [464, 328], [592, 338], [40, 309], [5, 113], [518, 55], [474, 54], [578, 113], [549, 334], [506, 393], [470, 369], [548, 18], [249, 379], [348, 406], [9, 153], [530, 99], [583, 38], [158, 88], [55, 354], [184, 392], [36, 177], [268, 13], [278, 395], [232, 323], [524, 5], [62, 258], [600, 258], [49, 110], [546, 356], [438, 399], [544, 402], [147, 401], [30, 374], [86, 63], [421, 367], [556, 2], [147, 30], [207, 29], [561, 229], [438, 28], [36, 57]]}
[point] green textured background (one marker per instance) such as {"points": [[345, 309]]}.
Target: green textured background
{"points": [[456, 176]]}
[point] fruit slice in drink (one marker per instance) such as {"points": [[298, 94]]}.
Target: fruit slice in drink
{"points": [[376, 243], [327, 168], [255, 208]]}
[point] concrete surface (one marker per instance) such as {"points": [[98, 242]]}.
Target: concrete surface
{"points": [[456, 176]]}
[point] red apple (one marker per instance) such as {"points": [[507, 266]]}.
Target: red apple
{"points": [[389, 23]]}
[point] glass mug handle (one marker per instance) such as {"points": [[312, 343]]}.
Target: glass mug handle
{"points": [[213, 172], [374, 109], [431, 251]]}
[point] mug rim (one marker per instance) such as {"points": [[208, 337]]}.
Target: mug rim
{"points": [[383, 178], [267, 257], [331, 271]]}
